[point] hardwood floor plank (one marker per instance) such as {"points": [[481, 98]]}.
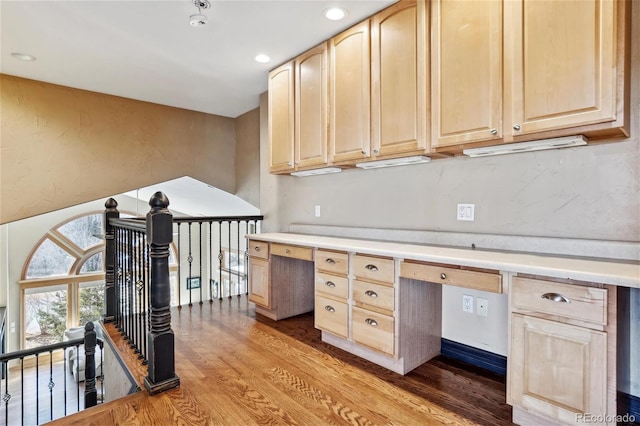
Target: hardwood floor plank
{"points": [[239, 369]]}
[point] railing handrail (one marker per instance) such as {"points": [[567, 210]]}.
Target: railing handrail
{"points": [[182, 219], [133, 223], [23, 353]]}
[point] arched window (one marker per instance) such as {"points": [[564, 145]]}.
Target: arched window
{"points": [[62, 283]]}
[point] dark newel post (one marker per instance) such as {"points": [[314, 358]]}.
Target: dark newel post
{"points": [[90, 392], [111, 211], [161, 375]]}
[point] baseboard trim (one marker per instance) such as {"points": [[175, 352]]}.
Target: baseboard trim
{"points": [[629, 404], [474, 356]]}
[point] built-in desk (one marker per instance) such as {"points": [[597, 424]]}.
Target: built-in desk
{"points": [[382, 301]]}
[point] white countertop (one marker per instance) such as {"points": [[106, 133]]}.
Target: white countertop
{"points": [[599, 270]]}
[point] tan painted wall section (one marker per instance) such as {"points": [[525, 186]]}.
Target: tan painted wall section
{"points": [[61, 146]]}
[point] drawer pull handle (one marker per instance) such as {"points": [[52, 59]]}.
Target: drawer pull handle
{"points": [[371, 293], [371, 322], [330, 284], [443, 276], [556, 297], [371, 267], [330, 308], [287, 251], [257, 248], [330, 261]]}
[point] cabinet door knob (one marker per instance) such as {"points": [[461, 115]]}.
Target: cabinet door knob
{"points": [[516, 127], [443, 276], [257, 248], [494, 131], [330, 261], [364, 152], [330, 308], [371, 322], [371, 293], [375, 151], [330, 284], [371, 267], [287, 251], [556, 297]]}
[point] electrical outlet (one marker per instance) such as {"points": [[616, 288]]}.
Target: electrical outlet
{"points": [[317, 211], [467, 304], [483, 307]]}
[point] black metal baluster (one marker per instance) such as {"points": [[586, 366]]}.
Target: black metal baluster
{"points": [[37, 390], [51, 385], [145, 297], [130, 291], [22, 386], [139, 295], [7, 396], [179, 262], [210, 257], [64, 378], [229, 265], [201, 276], [238, 290], [190, 260], [220, 259], [246, 259]]}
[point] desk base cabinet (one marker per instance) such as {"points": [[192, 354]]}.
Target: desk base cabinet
{"points": [[562, 363]]}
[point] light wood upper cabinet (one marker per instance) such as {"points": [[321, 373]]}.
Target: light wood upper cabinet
{"points": [[281, 118], [399, 46], [311, 93], [349, 99], [466, 71], [561, 64]]}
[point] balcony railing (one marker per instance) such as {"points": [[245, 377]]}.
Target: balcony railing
{"points": [[147, 270], [51, 388]]}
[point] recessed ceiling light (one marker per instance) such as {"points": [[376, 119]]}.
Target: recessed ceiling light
{"points": [[24, 57], [262, 58], [335, 13]]}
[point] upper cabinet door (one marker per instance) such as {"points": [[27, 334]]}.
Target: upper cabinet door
{"points": [[311, 138], [281, 118], [560, 59], [399, 46], [350, 101], [466, 68]]}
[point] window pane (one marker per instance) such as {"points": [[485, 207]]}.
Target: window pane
{"points": [[49, 259], [93, 264], [45, 315], [91, 302], [85, 231]]}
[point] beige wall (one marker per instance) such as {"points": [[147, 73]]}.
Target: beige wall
{"points": [[61, 146], [248, 157]]}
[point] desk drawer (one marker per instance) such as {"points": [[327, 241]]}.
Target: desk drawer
{"points": [[373, 268], [332, 261], [304, 253], [259, 249], [564, 300], [332, 285], [331, 316], [373, 330], [377, 296], [485, 281]]}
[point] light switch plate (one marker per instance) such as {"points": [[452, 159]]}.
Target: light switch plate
{"points": [[466, 212]]}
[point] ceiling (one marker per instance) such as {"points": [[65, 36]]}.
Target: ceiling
{"points": [[146, 50]]}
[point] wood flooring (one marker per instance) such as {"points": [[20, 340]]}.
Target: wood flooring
{"points": [[237, 368]]}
